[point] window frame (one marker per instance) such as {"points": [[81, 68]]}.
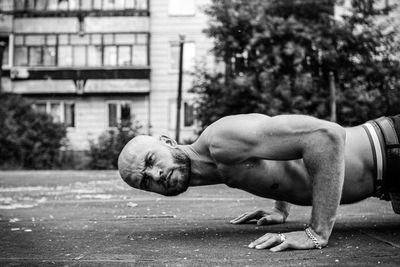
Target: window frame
{"points": [[65, 41], [62, 104], [79, 6], [172, 114], [9, 48], [119, 104], [185, 69]]}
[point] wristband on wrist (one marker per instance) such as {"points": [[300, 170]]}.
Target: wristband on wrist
{"points": [[313, 238]]}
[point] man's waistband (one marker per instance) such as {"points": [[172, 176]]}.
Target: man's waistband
{"points": [[382, 136]]}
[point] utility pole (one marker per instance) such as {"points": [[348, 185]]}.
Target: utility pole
{"points": [[2, 46], [332, 89], [179, 99]]}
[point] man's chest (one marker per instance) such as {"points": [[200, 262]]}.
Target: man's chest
{"points": [[271, 179]]}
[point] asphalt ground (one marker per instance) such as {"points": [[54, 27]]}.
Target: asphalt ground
{"points": [[92, 218]]}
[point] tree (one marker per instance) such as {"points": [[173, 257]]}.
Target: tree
{"points": [[105, 151], [28, 139], [278, 56]]}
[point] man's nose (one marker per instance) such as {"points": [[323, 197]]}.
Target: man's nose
{"points": [[155, 172]]}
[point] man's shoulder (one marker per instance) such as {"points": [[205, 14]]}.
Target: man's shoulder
{"points": [[229, 138], [235, 121]]}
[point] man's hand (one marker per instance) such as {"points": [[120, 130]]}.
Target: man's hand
{"points": [[273, 216], [279, 242]]}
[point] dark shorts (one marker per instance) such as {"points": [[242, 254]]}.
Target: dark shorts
{"points": [[390, 132]]}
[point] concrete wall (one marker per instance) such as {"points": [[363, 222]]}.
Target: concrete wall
{"points": [[165, 30]]}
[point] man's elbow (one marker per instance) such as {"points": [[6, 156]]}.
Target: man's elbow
{"points": [[333, 136], [336, 133]]}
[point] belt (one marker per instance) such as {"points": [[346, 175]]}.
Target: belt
{"points": [[377, 141], [391, 142]]}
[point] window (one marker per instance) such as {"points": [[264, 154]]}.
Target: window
{"points": [[95, 50], [181, 7], [119, 113], [54, 5], [6, 5], [94, 55], [79, 55], [125, 114], [35, 50], [189, 55], [55, 111], [5, 51], [187, 114], [21, 56], [62, 112], [97, 4], [41, 107], [188, 111], [49, 56], [35, 55], [141, 4], [69, 114], [110, 56], [64, 56], [124, 55]]}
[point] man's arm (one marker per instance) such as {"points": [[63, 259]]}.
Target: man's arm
{"points": [[321, 145], [283, 208]]}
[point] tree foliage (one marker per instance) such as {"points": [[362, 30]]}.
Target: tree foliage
{"points": [[105, 150], [28, 139], [278, 56]]}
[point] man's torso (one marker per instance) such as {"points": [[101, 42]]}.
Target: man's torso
{"points": [[289, 180]]}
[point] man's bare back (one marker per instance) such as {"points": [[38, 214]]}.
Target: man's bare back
{"points": [[293, 158], [289, 180]]}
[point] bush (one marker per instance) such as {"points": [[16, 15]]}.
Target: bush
{"points": [[28, 139], [104, 153]]}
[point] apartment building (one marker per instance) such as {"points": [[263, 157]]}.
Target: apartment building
{"points": [[93, 64]]}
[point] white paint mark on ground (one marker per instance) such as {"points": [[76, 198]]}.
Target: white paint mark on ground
{"points": [[131, 204], [94, 196], [17, 206], [31, 196]]}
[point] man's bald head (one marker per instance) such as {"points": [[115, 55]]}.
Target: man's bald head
{"points": [[154, 164], [130, 153]]}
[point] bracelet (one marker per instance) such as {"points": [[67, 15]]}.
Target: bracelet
{"points": [[313, 238]]}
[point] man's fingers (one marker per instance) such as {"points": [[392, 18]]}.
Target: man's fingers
{"points": [[244, 218], [264, 220], [260, 240], [283, 246], [269, 243], [238, 218]]}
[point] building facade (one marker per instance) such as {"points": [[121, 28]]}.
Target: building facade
{"points": [[93, 64]]}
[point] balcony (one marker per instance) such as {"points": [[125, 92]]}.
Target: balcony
{"points": [[74, 8], [80, 57], [77, 73]]}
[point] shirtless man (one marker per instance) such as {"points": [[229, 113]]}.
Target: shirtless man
{"points": [[290, 158]]}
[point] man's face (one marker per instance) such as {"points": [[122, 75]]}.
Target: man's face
{"points": [[154, 165]]}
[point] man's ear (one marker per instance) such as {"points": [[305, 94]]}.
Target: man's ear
{"points": [[168, 141]]}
